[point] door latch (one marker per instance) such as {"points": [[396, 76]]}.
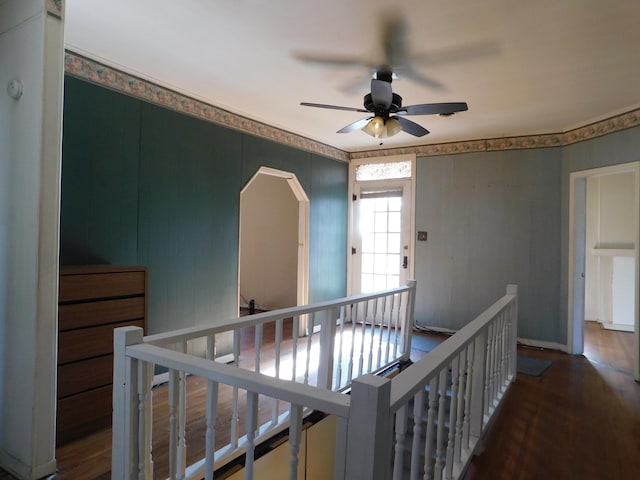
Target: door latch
{"points": [[405, 262]]}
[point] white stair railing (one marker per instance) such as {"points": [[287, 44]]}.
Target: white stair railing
{"points": [[319, 362], [426, 422], [441, 405]]}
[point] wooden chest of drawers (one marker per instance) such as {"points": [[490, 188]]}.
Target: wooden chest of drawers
{"points": [[92, 302]]}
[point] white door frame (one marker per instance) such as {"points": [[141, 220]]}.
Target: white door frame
{"points": [[302, 295], [577, 251], [412, 222]]}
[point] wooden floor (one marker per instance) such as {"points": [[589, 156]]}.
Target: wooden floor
{"points": [[579, 420]]}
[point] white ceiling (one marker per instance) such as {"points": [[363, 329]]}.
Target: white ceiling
{"points": [[526, 67]]}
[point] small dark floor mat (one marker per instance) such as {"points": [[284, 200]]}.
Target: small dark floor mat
{"points": [[532, 366]]}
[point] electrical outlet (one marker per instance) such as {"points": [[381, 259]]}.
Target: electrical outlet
{"points": [[422, 236]]}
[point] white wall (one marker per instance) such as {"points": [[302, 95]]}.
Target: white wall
{"points": [[269, 243], [30, 136], [610, 225]]}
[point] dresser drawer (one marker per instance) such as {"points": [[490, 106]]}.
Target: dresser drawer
{"points": [[83, 343], [78, 315], [78, 377], [91, 286]]}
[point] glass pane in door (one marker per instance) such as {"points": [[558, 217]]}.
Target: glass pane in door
{"points": [[380, 232]]}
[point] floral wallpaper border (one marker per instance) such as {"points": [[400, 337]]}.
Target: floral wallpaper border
{"points": [[93, 71], [87, 69], [54, 8]]}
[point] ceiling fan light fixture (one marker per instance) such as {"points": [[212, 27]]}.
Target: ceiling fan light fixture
{"points": [[379, 128], [393, 127], [375, 127]]}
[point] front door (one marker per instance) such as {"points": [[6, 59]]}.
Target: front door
{"points": [[381, 250]]}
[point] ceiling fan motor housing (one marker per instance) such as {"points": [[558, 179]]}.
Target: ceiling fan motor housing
{"points": [[396, 104]]}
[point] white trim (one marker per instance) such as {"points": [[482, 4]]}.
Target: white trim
{"points": [[412, 216], [575, 321], [542, 344], [303, 230], [617, 326], [19, 469]]}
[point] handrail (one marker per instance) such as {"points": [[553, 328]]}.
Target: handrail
{"points": [[188, 333], [406, 385], [327, 401]]}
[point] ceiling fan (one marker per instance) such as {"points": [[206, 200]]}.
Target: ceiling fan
{"points": [[388, 113]]}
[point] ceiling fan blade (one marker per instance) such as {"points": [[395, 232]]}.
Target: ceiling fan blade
{"points": [[333, 107], [410, 73], [355, 125], [459, 53], [433, 108], [330, 60], [381, 93], [412, 128]]}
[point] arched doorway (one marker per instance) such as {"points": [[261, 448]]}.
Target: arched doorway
{"points": [[274, 241]]}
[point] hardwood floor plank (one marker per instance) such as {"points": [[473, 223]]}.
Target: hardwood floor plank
{"points": [[580, 419]]}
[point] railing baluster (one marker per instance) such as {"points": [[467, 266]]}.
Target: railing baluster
{"points": [[398, 330], [462, 367], [352, 352], [295, 435], [440, 433], [182, 418], [341, 320], [362, 337], [294, 347], [235, 418], [252, 426], [174, 398], [434, 385], [501, 376], [387, 326], [453, 412], [275, 403], [257, 344], [210, 436], [418, 428], [381, 317], [310, 326], [487, 369], [401, 432], [466, 424], [371, 335]]}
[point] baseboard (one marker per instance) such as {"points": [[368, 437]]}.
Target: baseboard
{"points": [[421, 328], [20, 470], [542, 344], [617, 326]]}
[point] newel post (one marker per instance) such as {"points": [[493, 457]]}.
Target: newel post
{"points": [[369, 430], [407, 326], [327, 345], [125, 436], [513, 341]]}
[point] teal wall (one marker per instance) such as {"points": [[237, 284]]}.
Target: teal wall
{"points": [[143, 185]]}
